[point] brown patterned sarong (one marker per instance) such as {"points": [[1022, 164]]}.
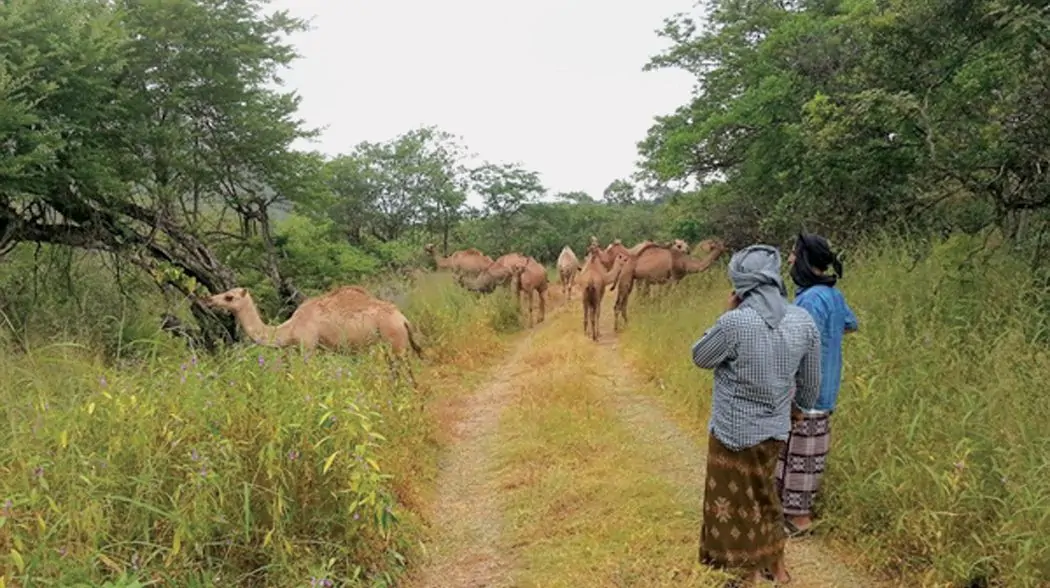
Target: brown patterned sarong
{"points": [[801, 464], [743, 525]]}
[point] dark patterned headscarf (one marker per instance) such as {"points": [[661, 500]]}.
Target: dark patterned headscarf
{"points": [[814, 252]]}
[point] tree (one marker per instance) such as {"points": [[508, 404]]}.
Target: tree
{"points": [[576, 197], [143, 130], [620, 192], [413, 180], [506, 187]]}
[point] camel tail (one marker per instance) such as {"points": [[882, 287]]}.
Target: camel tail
{"points": [[412, 340]]}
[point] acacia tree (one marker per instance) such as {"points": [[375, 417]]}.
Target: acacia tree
{"points": [[148, 130]]}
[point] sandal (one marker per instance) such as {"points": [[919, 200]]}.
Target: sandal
{"points": [[794, 531]]}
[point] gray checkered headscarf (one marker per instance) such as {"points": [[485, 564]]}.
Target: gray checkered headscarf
{"points": [[755, 273]]}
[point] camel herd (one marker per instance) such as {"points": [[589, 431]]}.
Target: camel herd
{"points": [[615, 267], [351, 317]]}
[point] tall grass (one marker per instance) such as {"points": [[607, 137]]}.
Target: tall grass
{"points": [[255, 467], [940, 448]]}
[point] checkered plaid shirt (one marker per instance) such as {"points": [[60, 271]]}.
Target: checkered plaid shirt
{"points": [[754, 370]]}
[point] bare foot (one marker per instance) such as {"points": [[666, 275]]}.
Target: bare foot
{"points": [[780, 572], [801, 523]]}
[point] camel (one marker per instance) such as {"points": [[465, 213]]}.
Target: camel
{"points": [[662, 264], [528, 277], [496, 273], [624, 283], [345, 318], [593, 279], [568, 265], [464, 263]]}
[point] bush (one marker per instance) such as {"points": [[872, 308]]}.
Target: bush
{"points": [[940, 439], [258, 466]]}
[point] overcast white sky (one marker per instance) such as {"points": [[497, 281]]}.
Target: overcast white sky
{"points": [[554, 85]]}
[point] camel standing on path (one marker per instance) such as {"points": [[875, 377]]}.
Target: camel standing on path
{"points": [[624, 283], [529, 277], [593, 279], [347, 318], [568, 265], [466, 263], [662, 264]]}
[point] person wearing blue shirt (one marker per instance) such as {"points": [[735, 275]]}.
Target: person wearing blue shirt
{"points": [[803, 458]]}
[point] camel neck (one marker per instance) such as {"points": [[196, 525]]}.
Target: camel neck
{"points": [[254, 326]]}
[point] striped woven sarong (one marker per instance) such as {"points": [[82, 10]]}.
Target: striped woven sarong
{"points": [[801, 464]]}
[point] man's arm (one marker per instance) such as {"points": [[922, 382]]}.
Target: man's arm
{"points": [[714, 347], [851, 319], [807, 381]]}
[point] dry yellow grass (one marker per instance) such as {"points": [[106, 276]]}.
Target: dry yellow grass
{"points": [[585, 501]]}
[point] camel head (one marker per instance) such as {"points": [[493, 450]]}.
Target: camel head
{"points": [[712, 245], [680, 245], [429, 248], [232, 301]]}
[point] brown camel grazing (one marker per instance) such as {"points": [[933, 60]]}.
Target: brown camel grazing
{"points": [[593, 279], [496, 273], [661, 264], [568, 265], [346, 318], [529, 277], [464, 263]]}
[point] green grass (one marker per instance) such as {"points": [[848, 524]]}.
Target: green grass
{"points": [[940, 446], [254, 467]]}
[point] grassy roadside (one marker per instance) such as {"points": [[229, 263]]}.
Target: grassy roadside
{"points": [[939, 443], [255, 465], [585, 506]]}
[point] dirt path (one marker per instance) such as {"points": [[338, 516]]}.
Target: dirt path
{"points": [[467, 513], [469, 549], [681, 459]]}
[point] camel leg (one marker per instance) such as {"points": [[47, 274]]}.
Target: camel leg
{"points": [[586, 313], [595, 318], [543, 304], [529, 294]]}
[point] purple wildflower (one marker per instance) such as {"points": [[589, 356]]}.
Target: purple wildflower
{"points": [[357, 516], [102, 382], [293, 455], [6, 510], [183, 367], [262, 361], [204, 472], [959, 465], [194, 455], [193, 360], [38, 471]]}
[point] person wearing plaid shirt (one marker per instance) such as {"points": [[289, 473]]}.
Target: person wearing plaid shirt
{"points": [[760, 350]]}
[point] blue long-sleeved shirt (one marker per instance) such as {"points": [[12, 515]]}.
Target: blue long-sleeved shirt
{"points": [[755, 368], [834, 318]]}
